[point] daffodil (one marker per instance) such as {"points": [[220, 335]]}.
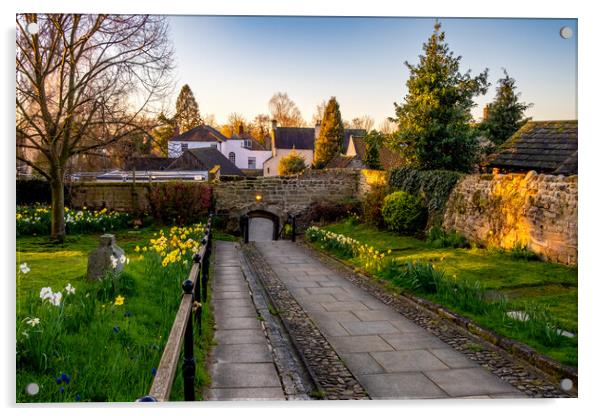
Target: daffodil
{"points": [[24, 268], [119, 300]]}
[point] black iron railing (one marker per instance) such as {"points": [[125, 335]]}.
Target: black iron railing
{"points": [[182, 331]]}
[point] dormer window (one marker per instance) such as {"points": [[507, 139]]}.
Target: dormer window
{"points": [[247, 143]]}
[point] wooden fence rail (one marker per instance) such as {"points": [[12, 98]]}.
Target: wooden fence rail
{"points": [[182, 331]]}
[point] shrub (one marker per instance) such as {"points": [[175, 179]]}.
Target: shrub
{"points": [[291, 164], [404, 213], [372, 205], [179, 202], [421, 277], [439, 238], [327, 211], [434, 186], [522, 252]]}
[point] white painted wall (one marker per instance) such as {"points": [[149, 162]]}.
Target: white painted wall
{"points": [[270, 167], [242, 154]]}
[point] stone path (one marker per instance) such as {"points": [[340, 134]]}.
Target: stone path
{"points": [[242, 365], [392, 357]]}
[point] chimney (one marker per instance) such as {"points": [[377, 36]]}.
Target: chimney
{"points": [[241, 130], [317, 129], [486, 112], [273, 137]]}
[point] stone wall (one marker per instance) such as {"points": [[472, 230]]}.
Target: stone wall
{"points": [[369, 177], [536, 211], [114, 196]]}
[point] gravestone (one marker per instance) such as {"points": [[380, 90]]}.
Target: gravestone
{"points": [[106, 257]]}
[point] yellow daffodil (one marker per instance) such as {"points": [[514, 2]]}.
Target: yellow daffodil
{"points": [[119, 300]]}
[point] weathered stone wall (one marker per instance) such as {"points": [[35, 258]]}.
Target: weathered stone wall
{"points": [[537, 211], [369, 177], [115, 196], [283, 195]]}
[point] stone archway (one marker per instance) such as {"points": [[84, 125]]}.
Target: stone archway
{"points": [[263, 225]]}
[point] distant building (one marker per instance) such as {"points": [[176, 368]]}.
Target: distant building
{"points": [[242, 150], [543, 146], [301, 139], [355, 157]]}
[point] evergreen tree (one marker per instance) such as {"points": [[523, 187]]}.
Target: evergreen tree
{"points": [[330, 139], [187, 110], [292, 164], [374, 140], [434, 130], [505, 114], [162, 133]]}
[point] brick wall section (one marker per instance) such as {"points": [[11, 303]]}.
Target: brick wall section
{"points": [[115, 196], [539, 211]]}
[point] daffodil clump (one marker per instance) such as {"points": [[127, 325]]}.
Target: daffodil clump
{"points": [[176, 246], [35, 220]]}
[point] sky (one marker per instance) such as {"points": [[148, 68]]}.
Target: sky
{"points": [[236, 63]]}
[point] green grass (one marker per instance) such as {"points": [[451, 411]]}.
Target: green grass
{"points": [[104, 364], [536, 282]]}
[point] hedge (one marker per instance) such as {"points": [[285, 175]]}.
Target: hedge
{"points": [[434, 186]]}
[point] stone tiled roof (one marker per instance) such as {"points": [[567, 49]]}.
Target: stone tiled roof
{"points": [[210, 157], [542, 146], [387, 157], [202, 133]]}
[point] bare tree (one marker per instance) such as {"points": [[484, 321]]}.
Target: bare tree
{"points": [[235, 120], [319, 114], [260, 127], [83, 82], [363, 122], [387, 126], [285, 111]]}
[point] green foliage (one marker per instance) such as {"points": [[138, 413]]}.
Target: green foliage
{"points": [[327, 211], [292, 164], [187, 110], [505, 113], [161, 134], [434, 119], [439, 238], [374, 140], [404, 213], [330, 139], [372, 205], [522, 252], [179, 202], [434, 186]]}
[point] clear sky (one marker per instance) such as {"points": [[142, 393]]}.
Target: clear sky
{"points": [[236, 63]]}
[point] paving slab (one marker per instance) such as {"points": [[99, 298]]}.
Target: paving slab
{"points": [[362, 363], [242, 353], [239, 394], [235, 375], [412, 360], [363, 343], [370, 328], [237, 323], [469, 382], [400, 386]]}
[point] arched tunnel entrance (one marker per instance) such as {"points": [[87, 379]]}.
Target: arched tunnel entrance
{"points": [[263, 226]]}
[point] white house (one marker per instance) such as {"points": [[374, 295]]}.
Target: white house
{"points": [[242, 149]]}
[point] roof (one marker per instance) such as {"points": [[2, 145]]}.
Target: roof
{"points": [[255, 145], [210, 157], [202, 133], [304, 137], [388, 158], [345, 162], [543, 146], [148, 163]]}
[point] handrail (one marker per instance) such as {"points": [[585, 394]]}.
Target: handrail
{"points": [[182, 331]]}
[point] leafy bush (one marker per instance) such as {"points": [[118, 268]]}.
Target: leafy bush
{"points": [[372, 205], [439, 238], [522, 252], [179, 202], [434, 186], [327, 211], [291, 164], [404, 213]]}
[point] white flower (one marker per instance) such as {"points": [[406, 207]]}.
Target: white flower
{"points": [[56, 298], [69, 289], [113, 261], [25, 334], [122, 259], [32, 321], [24, 268], [46, 293], [79, 214]]}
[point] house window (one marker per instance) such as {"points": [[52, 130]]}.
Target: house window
{"points": [[214, 146], [232, 157], [247, 143], [252, 163], [184, 147]]}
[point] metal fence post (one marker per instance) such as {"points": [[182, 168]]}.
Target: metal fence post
{"points": [[198, 314], [189, 364]]}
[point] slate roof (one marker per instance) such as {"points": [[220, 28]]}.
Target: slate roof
{"points": [[542, 146], [202, 133], [301, 138], [255, 145], [354, 133], [210, 157], [149, 163]]}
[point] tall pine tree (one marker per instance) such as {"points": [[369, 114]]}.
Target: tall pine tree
{"points": [[330, 139], [187, 110], [506, 114], [434, 130]]}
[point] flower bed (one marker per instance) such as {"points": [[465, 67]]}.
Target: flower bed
{"points": [[36, 219]]}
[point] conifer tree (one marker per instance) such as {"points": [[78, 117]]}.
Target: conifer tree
{"points": [[505, 114], [330, 139], [374, 140], [434, 130], [187, 110]]}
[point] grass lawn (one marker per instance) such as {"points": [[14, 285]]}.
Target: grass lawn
{"points": [[549, 284], [107, 351]]}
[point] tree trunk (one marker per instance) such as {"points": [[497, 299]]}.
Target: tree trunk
{"points": [[57, 225]]}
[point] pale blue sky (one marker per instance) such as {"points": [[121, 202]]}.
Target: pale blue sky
{"points": [[236, 63]]}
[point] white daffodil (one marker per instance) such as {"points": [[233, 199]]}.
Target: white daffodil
{"points": [[113, 261], [32, 321], [56, 298], [69, 289], [24, 268], [46, 293], [122, 259]]}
